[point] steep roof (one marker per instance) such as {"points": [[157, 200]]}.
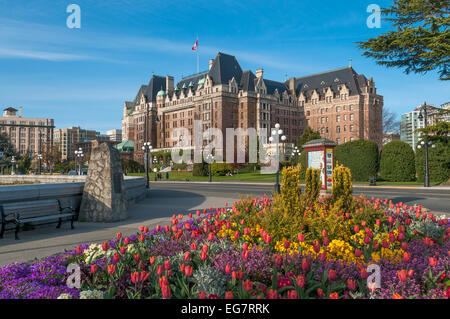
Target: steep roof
{"points": [[224, 68], [194, 79], [248, 81], [272, 85], [332, 79], [155, 84], [11, 109], [141, 91]]}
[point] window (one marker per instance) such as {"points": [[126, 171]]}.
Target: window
{"points": [[338, 109], [338, 140], [351, 128], [322, 120], [351, 117], [338, 118], [338, 129], [345, 117], [351, 107], [345, 139]]}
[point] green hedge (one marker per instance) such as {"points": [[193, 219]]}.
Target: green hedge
{"points": [[397, 162], [220, 169], [200, 169], [438, 162], [360, 156]]}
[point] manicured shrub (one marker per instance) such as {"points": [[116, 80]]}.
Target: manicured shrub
{"points": [[397, 162], [200, 169], [438, 162], [361, 157], [312, 185], [290, 188], [342, 188], [221, 169]]}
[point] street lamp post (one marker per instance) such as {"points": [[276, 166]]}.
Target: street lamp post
{"points": [[146, 148], [210, 159], [79, 159], [155, 161], [296, 153], [276, 133], [426, 143], [39, 156], [13, 162]]}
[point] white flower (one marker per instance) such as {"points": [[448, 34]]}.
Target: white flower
{"points": [[65, 296], [91, 294]]}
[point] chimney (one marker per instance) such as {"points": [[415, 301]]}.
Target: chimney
{"points": [[211, 62], [169, 83], [259, 73], [292, 85], [20, 111]]}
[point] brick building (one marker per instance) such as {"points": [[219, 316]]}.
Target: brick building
{"points": [[34, 135], [341, 104]]}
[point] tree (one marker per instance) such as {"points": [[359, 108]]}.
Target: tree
{"points": [[308, 135], [397, 162], [390, 121], [421, 41], [25, 163]]}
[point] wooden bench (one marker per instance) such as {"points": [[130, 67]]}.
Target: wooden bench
{"points": [[49, 211]]}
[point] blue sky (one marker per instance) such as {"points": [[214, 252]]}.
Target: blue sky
{"points": [[81, 77]]}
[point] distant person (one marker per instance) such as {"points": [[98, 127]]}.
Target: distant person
{"points": [[167, 175]]}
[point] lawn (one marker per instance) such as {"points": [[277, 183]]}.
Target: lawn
{"points": [[184, 176]]}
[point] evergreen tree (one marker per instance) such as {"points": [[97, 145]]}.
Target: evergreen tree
{"points": [[421, 40]]}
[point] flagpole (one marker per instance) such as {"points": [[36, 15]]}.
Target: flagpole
{"points": [[197, 57]]}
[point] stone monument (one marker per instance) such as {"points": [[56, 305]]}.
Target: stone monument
{"points": [[104, 194]]}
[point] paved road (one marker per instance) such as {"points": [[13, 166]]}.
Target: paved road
{"points": [[166, 199], [436, 199]]}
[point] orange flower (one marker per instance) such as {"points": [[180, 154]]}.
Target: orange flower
{"points": [[433, 261], [403, 274], [292, 294], [105, 246], [229, 295], [111, 269], [396, 296], [334, 295], [247, 285]]}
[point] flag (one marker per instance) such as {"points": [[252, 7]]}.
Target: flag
{"points": [[195, 45]]}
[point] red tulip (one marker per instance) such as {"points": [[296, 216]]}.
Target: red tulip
{"points": [[227, 269], [305, 264], [141, 228], [229, 295], [111, 269], [159, 270], [356, 228], [319, 293], [205, 248], [187, 256], [406, 257], [292, 294], [94, 269], [326, 241], [247, 285], [105, 246], [203, 256], [210, 236], [166, 293], [334, 295], [193, 246], [116, 257], [301, 280], [245, 254], [79, 250], [141, 237], [433, 261], [152, 260], [300, 237], [188, 270], [158, 228], [351, 284], [167, 265], [137, 257], [236, 234], [331, 274], [182, 267], [146, 229], [358, 252], [119, 235], [163, 281], [403, 274], [202, 295], [126, 241], [135, 277], [324, 233]]}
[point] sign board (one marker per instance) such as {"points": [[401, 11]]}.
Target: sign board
{"points": [[1, 154], [316, 161]]}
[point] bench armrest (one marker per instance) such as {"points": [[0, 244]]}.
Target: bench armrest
{"points": [[67, 209]]}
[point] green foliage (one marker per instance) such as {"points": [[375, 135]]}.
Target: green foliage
{"points": [[420, 41], [342, 188], [179, 167], [360, 156], [308, 135], [291, 189], [210, 280], [221, 169], [25, 163], [397, 162], [200, 169], [131, 166], [438, 161], [312, 185]]}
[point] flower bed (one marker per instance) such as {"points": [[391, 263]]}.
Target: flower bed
{"points": [[230, 253]]}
